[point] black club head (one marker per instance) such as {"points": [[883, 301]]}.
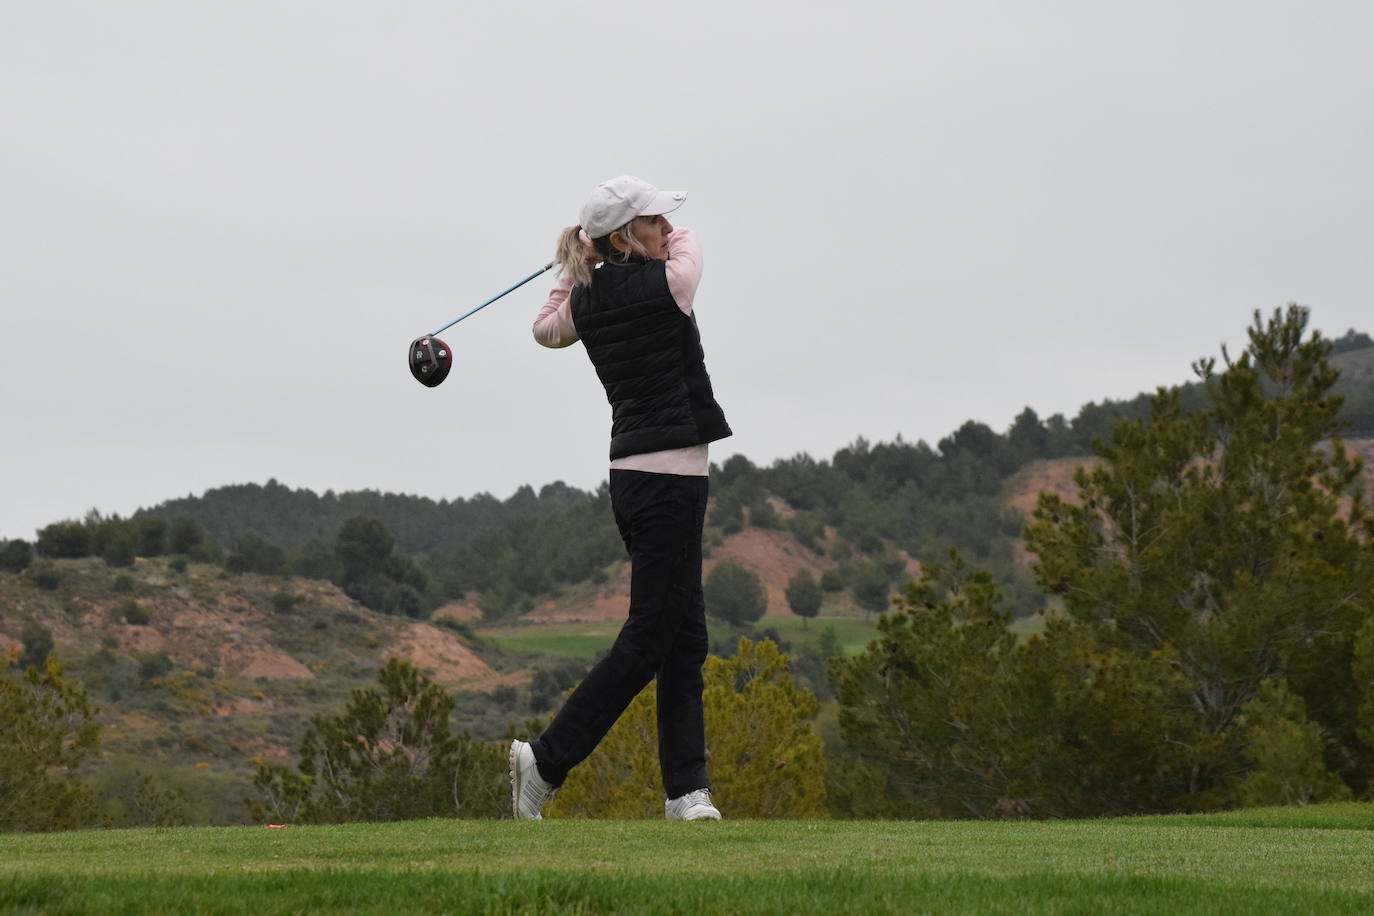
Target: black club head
{"points": [[430, 360]]}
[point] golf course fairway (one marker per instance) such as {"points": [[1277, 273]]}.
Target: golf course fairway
{"points": [[1280, 860]]}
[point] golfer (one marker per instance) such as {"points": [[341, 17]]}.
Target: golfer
{"points": [[626, 291]]}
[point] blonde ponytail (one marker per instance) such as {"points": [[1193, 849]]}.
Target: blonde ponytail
{"points": [[575, 259], [571, 255]]}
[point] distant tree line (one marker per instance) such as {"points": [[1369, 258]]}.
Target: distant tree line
{"points": [[1349, 341], [532, 555], [362, 559], [292, 518]]}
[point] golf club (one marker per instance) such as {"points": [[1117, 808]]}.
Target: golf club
{"points": [[431, 358]]}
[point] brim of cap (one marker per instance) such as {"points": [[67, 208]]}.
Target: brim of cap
{"points": [[664, 202]]}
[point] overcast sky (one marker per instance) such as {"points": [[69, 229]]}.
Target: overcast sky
{"points": [[221, 223]]}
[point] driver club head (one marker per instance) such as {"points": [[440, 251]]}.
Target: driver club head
{"points": [[430, 360]]}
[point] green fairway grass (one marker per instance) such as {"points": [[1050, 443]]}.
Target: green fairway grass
{"points": [[1026, 627], [854, 633], [585, 640], [565, 640], [1318, 859]]}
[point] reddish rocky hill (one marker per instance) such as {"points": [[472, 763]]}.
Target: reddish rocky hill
{"points": [[201, 672], [774, 556], [236, 626]]}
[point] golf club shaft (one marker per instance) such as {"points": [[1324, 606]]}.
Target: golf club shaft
{"points": [[494, 298]]}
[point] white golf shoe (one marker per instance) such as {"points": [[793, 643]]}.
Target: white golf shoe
{"points": [[694, 806], [528, 790]]}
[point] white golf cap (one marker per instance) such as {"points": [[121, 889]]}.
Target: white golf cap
{"points": [[614, 203]]}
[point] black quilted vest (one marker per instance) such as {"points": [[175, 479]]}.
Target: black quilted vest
{"points": [[648, 356]]}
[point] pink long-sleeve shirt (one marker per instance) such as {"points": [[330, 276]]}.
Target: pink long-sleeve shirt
{"points": [[554, 328]]}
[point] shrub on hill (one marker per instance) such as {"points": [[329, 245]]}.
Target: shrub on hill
{"points": [[187, 538], [254, 555], [363, 547], [119, 549], [315, 561], [872, 588], [1350, 340], [46, 575], [15, 556], [154, 665], [150, 533], [804, 595], [37, 645], [388, 756], [133, 792], [130, 611], [284, 602], [763, 515], [64, 539], [734, 593], [403, 600], [371, 574]]}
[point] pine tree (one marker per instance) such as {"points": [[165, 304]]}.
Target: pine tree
{"points": [[389, 756], [15, 556], [1235, 539], [47, 733], [734, 593], [38, 645], [1216, 577], [1285, 751], [959, 720], [804, 596]]}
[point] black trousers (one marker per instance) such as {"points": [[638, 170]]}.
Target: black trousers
{"points": [[660, 517]]}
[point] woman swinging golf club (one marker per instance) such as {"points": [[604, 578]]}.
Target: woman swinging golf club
{"points": [[633, 313]]}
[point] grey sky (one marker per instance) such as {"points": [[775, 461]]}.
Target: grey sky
{"points": [[220, 224]]}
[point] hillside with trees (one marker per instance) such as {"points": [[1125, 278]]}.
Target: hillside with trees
{"points": [[1208, 640], [869, 509], [1214, 639], [192, 673]]}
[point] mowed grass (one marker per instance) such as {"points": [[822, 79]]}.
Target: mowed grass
{"points": [[1276, 861], [1026, 627], [565, 640], [585, 640]]}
